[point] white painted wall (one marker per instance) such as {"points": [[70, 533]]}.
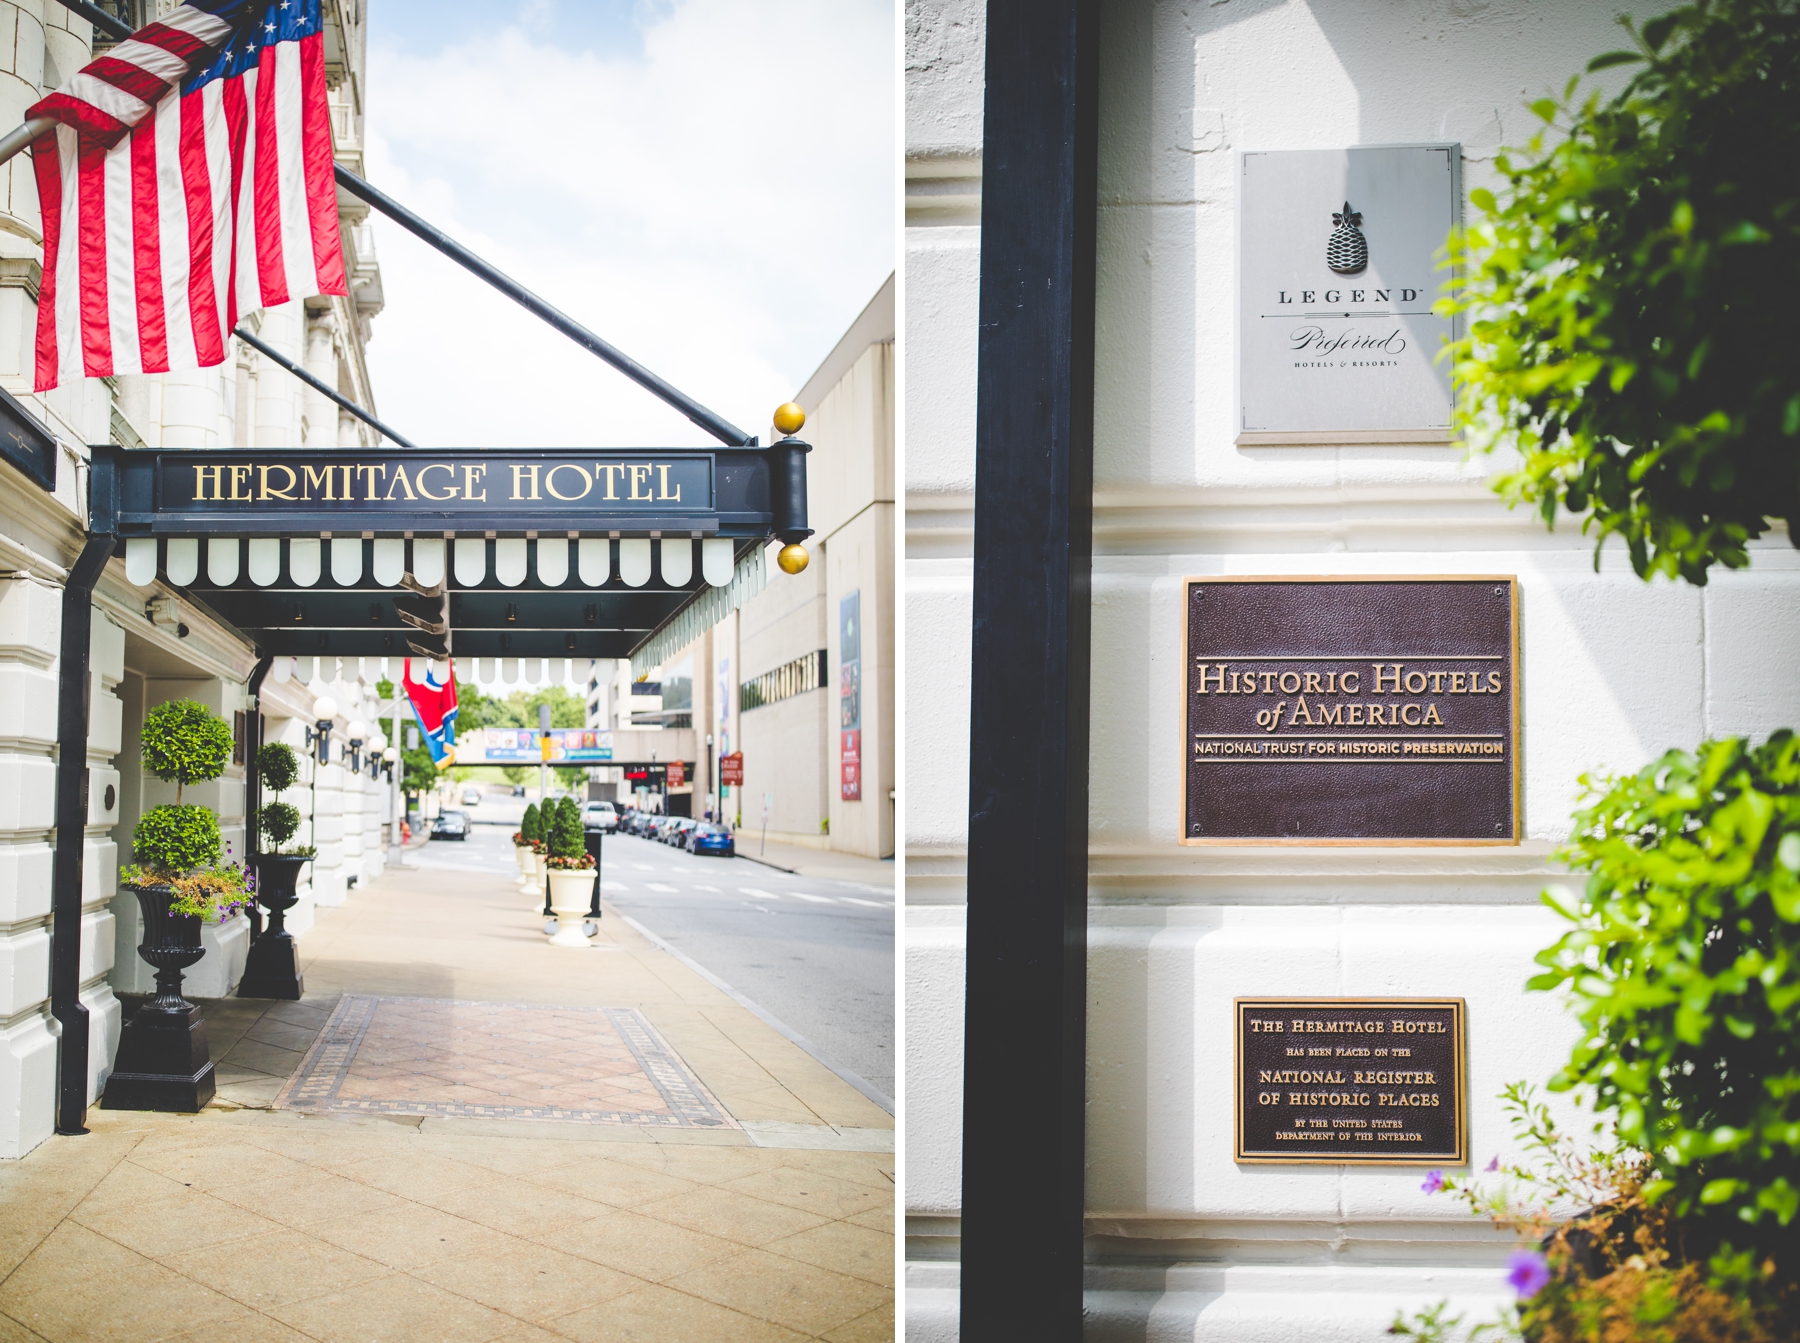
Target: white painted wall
{"points": [[244, 401], [1616, 671]]}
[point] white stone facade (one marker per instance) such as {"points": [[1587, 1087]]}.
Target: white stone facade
{"points": [[1184, 1243], [137, 663]]}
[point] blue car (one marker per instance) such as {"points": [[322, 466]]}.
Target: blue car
{"points": [[709, 838]]}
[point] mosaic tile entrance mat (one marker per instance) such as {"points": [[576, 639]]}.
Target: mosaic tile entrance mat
{"points": [[441, 1058]]}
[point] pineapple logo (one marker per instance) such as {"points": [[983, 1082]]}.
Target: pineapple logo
{"points": [[1348, 251]]}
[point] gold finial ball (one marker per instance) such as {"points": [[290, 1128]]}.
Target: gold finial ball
{"points": [[789, 418], [792, 559]]}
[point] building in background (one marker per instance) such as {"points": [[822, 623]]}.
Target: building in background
{"points": [[149, 644], [799, 678]]}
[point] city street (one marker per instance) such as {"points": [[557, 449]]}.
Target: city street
{"points": [[817, 955]]}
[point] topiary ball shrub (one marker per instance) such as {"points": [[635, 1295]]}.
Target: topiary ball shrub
{"points": [[278, 821], [185, 742], [171, 842], [531, 829], [278, 766], [1684, 964]]}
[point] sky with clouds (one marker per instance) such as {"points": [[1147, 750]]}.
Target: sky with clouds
{"points": [[707, 184]]}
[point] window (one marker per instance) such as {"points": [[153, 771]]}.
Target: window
{"points": [[793, 678]]}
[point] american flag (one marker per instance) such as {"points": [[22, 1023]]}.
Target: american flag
{"points": [[190, 180]]}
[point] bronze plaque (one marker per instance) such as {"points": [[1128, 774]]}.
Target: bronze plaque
{"points": [[1350, 711], [1341, 1080]]}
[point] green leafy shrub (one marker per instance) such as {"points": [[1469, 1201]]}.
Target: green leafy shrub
{"points": [[568, 841], [1630, 291], [531, 829], [278, 766], [170, 842], [1684, 965], [278, 822], [185, 742]]}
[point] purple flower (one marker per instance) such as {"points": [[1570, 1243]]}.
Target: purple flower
{"points": [[1527, 1273], [1433, 1182], [1493, 1165]]}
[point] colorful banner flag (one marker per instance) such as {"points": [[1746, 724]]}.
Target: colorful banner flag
{"points": [[434, 705]]}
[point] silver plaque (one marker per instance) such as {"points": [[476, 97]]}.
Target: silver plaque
{"points": [[1340, 256]]}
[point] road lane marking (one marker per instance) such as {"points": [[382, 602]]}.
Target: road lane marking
{"points": [[614, 886], [758, 893], [872, 904], [714, 889], [666, 890], [816, 899]]}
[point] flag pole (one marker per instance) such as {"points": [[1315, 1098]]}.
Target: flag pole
{"points": [[719, 427]]}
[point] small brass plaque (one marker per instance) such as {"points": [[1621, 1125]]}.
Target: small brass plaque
{"points": [[1351, 710], [1336, 1081]]}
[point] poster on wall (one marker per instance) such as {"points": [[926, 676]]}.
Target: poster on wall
{"points": [[1339, 265], [850, 698]]}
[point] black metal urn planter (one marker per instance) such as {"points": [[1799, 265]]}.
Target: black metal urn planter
{"points": [[164, 1062], [179, 881], [272, 969]]}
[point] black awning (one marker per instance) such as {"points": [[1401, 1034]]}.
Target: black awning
{"points": [[461, 552]]}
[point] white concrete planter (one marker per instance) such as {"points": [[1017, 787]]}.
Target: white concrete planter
{"points": [[570, 895], [523, 855]]}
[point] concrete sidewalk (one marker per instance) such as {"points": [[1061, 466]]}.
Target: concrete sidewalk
{"points": [[773, 1220]]}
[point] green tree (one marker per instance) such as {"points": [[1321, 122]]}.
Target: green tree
{"points": [[1629, 292], [566, 837], [279, 769], [185, 742]]}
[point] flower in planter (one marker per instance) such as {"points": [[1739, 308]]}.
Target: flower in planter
{"points": [[1527, 1273], [1433, 1182]]}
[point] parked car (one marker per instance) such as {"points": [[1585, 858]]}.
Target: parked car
{"points": [[710, 838], [600, 816], [451, 825], [678, 831], [471, 797]]}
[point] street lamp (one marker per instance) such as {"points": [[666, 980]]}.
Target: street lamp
{"points": [[377, 753], [319, 734], [358, 732]]}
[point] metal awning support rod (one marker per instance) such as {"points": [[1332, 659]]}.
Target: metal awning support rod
{"points": [[723, 430], [318, 385]]}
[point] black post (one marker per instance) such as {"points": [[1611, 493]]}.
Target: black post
{"points": [[787, 485], [1025, 1014], [72, 705], [253, 725]]}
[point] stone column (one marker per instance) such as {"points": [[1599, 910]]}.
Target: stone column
{"points": [[30, 625]]}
